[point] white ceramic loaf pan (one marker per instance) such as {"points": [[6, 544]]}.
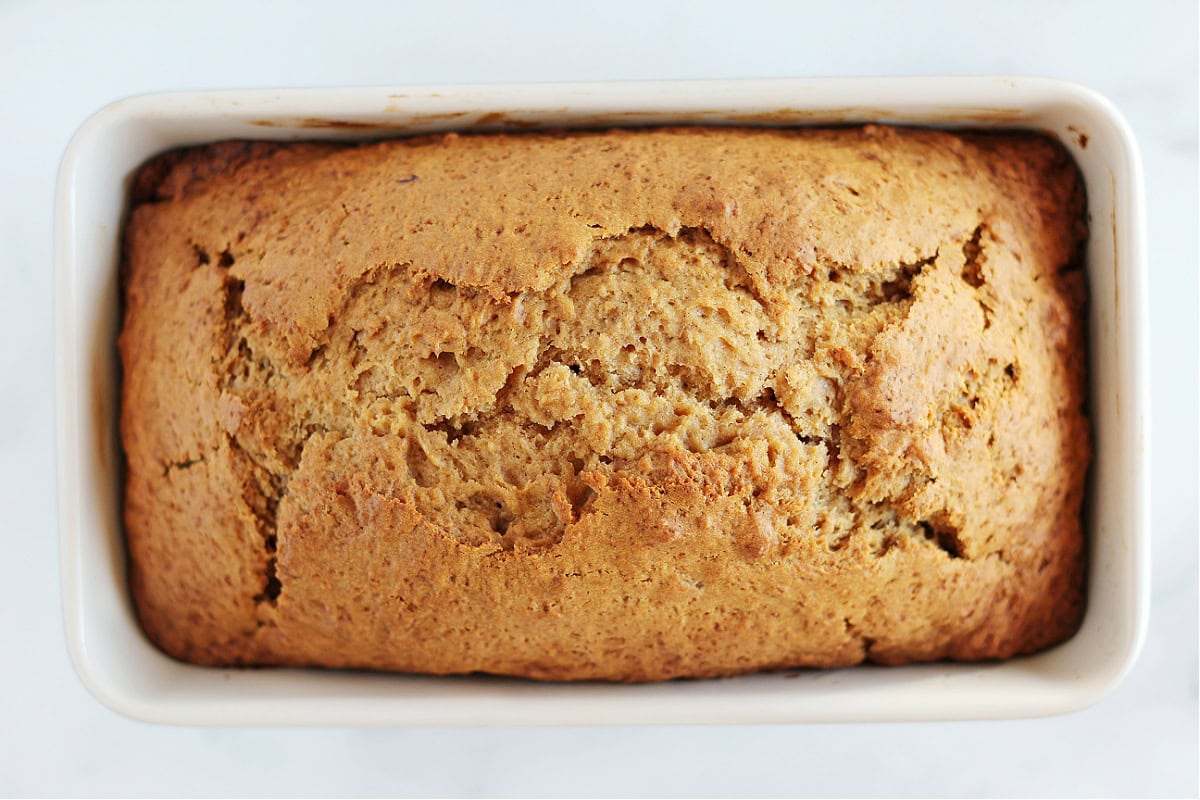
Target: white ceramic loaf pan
{"points": [[127, 673]]}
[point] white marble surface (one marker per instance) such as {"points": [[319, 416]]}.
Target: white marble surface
{"points": [[60, 62]]}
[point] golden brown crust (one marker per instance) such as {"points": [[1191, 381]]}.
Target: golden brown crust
{"points": [[620, 405]]}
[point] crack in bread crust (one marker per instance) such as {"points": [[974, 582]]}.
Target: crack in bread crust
{"points": [[643, 260]]}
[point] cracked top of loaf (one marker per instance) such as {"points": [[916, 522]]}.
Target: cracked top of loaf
{"points": [[623, 405]]}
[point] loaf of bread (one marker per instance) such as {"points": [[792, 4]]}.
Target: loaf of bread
{"points": [[625, 405]]}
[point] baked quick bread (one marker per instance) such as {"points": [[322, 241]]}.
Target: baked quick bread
{"points": [[627, 405]]}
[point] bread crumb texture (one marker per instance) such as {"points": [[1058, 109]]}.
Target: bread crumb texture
{"points": [[609, 405]]}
